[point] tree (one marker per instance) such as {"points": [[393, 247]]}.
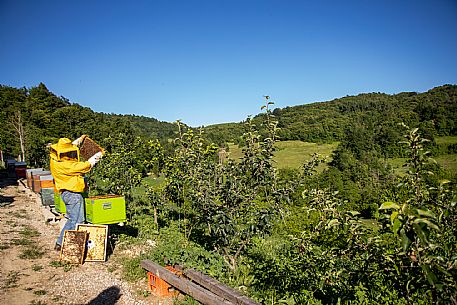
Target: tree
{"points": [[18, 125]]}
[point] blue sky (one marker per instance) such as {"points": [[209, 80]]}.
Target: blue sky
{"points": [[208, 62]]}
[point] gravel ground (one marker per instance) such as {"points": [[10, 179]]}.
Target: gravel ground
{"points": [[40, 280]]}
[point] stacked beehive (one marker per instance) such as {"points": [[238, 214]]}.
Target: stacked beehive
{"points": [[47, 190], [20, 169], [41, 182], [29, 173]]}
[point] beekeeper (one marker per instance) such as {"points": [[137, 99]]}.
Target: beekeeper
{"points": [[68, 173]]}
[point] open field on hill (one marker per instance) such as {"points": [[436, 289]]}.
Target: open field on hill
{"points": [[447, 161], [291, 154], [446, 140]]}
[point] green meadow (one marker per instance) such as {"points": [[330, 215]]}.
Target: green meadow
{"points": [[447, 161], [291, 154], [446, 140]]}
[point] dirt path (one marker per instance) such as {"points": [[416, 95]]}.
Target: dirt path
{"points": [[30, 271]]}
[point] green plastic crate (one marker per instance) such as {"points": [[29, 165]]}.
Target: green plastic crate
{"points": [[105, 209], [59, 205]]}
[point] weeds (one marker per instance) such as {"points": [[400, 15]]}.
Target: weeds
{"points": [[11, 279], [31, 253], [37, 267], [4, 247], [132, 269], [22, 242], [20, 214], [34, 302], [29, 232], [58, 264], [144, 293], [57, 298], [111, 269], [40, 292]]}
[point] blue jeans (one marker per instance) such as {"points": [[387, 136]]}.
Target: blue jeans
{"points": [[74, 203]]}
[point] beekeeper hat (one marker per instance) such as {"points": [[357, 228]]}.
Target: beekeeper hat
{"points": [[64, 145]]}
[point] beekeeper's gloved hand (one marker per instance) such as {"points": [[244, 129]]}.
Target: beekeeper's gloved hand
{"points": [[95, 158], [79, 140]]}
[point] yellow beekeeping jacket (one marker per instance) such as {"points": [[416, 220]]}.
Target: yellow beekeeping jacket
{"points": [[68, 173]]}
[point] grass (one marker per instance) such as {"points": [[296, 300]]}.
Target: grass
{"points": [[4, 246], [34, 302], [140, 192], [132, 269], [20, 214], [56, 264], [22, 242], [446, 140], [290, 154], [11, 279], [397, 165], [448, 162], [37, 267], [29, 232], [32, 253], [234, 152]]}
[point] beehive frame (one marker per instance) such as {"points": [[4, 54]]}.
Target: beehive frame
{"points": [[96, 243], [89, 147], [73, 247]]}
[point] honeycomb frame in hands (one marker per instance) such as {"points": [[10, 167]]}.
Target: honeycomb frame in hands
{"points": [[88, 148]]}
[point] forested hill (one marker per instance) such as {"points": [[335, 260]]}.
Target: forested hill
{"points": [[370, 119], [378, 114], [44, 117]]}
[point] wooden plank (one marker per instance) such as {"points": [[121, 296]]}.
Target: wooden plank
{"points": [[218, 288], [199, 293]]}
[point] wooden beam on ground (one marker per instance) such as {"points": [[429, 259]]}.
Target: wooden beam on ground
{"points": [[217, 287], [199, 293]]}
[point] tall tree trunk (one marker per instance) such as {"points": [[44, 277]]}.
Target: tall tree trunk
{"points": [[16, 122]]}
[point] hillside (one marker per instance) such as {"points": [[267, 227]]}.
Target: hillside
{"points": [[435, 111], [44, 117], [370, 118]]}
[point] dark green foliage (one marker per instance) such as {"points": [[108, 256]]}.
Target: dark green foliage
{"points": [[47, 117], [224, 133], [374, 116]]}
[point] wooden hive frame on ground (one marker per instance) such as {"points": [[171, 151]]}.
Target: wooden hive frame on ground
{"points": [[89, 147], [73, 246], [97, 240]]}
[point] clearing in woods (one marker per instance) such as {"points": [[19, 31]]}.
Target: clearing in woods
{"points": [[290, 154]]}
